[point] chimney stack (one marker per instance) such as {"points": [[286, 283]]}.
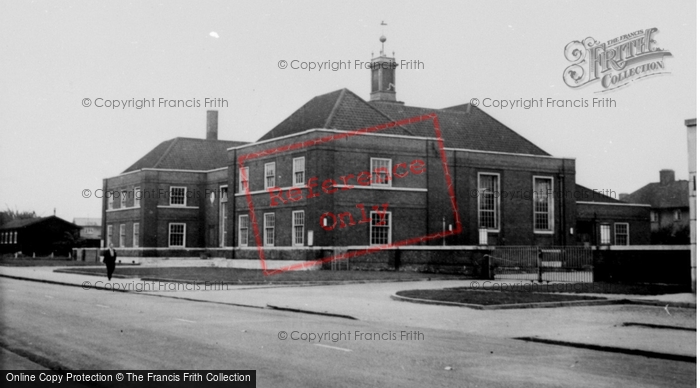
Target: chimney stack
{"points": [[212, 125], [667, 177]]}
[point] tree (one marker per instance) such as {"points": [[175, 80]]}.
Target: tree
{"points": [[10, 215]]}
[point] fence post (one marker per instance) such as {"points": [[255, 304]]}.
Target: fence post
{"points": [[539, 265]]}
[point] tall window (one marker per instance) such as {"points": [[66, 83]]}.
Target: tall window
{"points": [[299, 170], [242, 179], [223, 215], [110, 200], [177, 196], [14, 240], [137, 197], [488, 201], [380, 171], [243, 231], [176, 237], [269, 175], [298, 228], [543, 199], [380, 228], [122, 235], [109, 234], [123, 199], [137, 232], [654, 216], [677, 215], [604, 234], [622, 234], [269, 229]]}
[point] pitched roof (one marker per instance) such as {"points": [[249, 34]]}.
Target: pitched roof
{"points": [[660, 196], [182, 153], [587, 195], [342, 110], [462, 126], [16, 224]]}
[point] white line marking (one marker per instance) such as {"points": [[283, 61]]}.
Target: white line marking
{"points": [[184, 320], [103, 306], [333, 347]]}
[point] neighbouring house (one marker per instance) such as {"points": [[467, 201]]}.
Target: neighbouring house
{"points": [[315, 181], [669, 215], [39, 236], [90, 232]]}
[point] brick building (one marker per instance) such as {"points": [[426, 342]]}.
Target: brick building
{"points": [[361, 190]]}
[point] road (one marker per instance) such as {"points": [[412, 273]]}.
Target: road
{"points": [[90, 329]]}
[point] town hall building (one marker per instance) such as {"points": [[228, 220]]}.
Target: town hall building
{"points": [[333, 174]]}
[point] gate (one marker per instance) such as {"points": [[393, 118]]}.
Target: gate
{"points": [[552, 264]]}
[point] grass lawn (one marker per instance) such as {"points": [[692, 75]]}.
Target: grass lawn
{"points": [[255, 276], [602, 288], [44, 262], [487, 298]]}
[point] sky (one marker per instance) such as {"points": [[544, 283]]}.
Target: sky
{"points": [[57, 54]]}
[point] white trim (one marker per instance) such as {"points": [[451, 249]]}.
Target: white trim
{"points": [[184, 196], [417, 189], [351, 187], [247, 230], [303, 228], [497, 197], [550, 205], [168, 170], [175, 207], [351, 133], [121, 209], [612, 204], [184, 234], [507, 153]]}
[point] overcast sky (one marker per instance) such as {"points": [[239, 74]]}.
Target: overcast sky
{"points": [[55, 54]]}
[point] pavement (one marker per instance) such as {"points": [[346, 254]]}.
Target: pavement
{"points": [[659, 329]]}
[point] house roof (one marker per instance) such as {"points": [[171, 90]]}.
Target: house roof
{"points": [[587, 195], [183, 153], [662, 196], [17, 224], [463, 126]]}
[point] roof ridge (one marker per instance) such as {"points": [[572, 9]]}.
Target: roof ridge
{"points": [[335, 108], [173, 141]]}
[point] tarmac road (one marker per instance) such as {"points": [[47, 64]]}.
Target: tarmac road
{"points": [[91, 329]]}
